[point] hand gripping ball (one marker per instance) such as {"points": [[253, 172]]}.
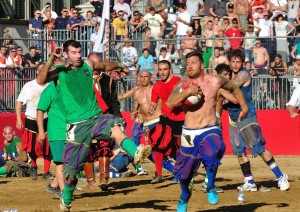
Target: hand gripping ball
{"points": [[192, 100]]}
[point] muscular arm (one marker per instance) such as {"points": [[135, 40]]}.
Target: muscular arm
{"points": [[128, 94], [237, 93], [291, 111], [40, 124], [241, 78], [134, 110], [19, 123]]}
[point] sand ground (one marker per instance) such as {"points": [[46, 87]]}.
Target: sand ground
{"points": [[137, 194]]}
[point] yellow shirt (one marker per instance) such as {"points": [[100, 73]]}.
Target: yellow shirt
{"points": [[120, 26]]}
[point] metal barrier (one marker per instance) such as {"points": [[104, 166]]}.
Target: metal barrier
{"points": [[268, 92]]}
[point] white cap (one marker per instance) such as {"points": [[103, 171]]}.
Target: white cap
{"points": [[298, 57]]}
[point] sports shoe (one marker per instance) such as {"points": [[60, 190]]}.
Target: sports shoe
{"points": [[182, 206], [33, 172], [128, 173], [48, 176], [158, 179], [212, 197], [218, 190], [63, 206], [140, 171], [283, 182], [248, 186], [141, 153], [53, 190], [175, 180]]}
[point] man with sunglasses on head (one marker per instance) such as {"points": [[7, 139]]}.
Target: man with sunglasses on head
{"points": [[234, 32]]}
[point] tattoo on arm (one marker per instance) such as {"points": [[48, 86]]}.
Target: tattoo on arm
{"points": [[241, 78]]}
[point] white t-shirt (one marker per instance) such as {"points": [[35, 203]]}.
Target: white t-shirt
{"points": [[11, 61], [172, 18], [125, 7], [192, 6], [181, 27], [295, 99], [129, 54], [30, 96], [280, 28], [278, 2], [94, 38], [154, 22], [160, 58], [265, 26]]}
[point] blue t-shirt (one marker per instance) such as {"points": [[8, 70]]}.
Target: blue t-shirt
{"points": [[145, 63], [78, 20], [37, 23], [61, 23]]}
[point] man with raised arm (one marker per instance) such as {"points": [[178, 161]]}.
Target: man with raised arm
{"points": [[84, 118], [201, 139]]}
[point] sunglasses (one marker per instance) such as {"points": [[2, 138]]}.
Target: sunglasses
{"points": [[136, 14], [234, 22], [65, 11], [75, 13], [13, 51], [20, 50]]}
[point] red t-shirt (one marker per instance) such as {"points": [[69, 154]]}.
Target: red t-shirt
{"points": [[162, 90], [235, 43]]}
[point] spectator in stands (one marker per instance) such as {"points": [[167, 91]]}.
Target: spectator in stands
{"points": [[292, 10], [242, 8], [124, 7], [145, 62], [5, 37], [48, 21], [280, 27], [197, 27], [218, 8], [266, 26], [36, 23], [13, 58], [296, 67], [94, 38], [159, 6], [164, 55], [32, 58], [216, 60], [113, 16], [62, 21], [261, 57], [148, 44], [20, 53], [183, 22], [130, 56], [138, 34], [48, 8], [120, 31], [234, 32], [98, 5], [189, 42], [232, 14], [90, 19], [294, 103], [76, 21], [278, 6], [195, 7], [3, 60], [249, 67], [156, 24], [225, 23], [130, 2], [207, 44], [250, 38]]}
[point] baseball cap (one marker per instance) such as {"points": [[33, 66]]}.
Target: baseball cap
{"points": [[189, 29], [13, 48], [230, 5], [298, 57]]}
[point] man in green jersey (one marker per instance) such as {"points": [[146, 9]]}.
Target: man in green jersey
{"points": [[84, 118]]}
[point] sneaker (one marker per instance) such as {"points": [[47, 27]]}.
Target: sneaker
{"points": [[92, 185], [53, 190], [33, 172], [48, 176], [63, 206], [212, 197], [283, 182], [218, 190], [158, 179], [182, 206], [140, 171], [128, 173], [142, 152], [248, 186], [175, 180]]}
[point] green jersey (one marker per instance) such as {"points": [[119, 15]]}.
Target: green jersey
{"points": [[77, 91], [11, 148], [51, 102]]}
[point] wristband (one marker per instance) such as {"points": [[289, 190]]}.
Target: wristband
{"points": [[49, 62], [121, 65]]}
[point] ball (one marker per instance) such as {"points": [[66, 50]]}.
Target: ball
{"points": [[191, 100]]}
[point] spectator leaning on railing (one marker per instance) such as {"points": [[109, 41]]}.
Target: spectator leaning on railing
{"points": [[32, 58], [62, 21], [36, 23], [3, 60]]}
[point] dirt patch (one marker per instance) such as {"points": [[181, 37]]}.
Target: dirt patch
{"points": [[137, 194]]}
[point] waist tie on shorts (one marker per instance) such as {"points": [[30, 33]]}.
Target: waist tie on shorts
{"points": [[189, 131], [147, 123]]}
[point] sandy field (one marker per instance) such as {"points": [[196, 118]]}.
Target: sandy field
{"points": [[137, 194]]}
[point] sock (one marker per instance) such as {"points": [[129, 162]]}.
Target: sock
{"points": [[158, 161], [185, 191], [246, 169], [211, 177], [275, 169], [206, 179], [168, 165], [47, 164], [129, 146], [33, 162], [3, 170], [67, 194], [114, 175]]}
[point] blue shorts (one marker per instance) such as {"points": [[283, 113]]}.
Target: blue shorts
{"points": [[199, 145], [246, 134]]}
